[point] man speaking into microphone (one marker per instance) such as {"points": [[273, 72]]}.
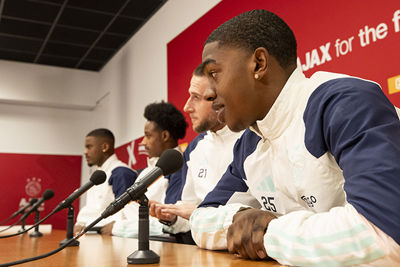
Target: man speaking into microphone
{"points": [[99, 151]]}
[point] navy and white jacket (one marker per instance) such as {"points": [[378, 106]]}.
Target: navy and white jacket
{"points": [[326, 161], [119, 178], [205, 161], [127, 225]]}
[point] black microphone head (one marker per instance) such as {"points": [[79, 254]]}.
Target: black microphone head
{"points": [[33, 201], [170, 161], [48, 194], [98, 177]]}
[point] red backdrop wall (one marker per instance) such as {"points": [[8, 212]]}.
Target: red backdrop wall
{"points": [[358, 37], [132, 154], [26, 176]]}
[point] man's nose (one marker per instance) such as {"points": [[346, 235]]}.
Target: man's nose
{"points": [[187, 107], [143, 142], [210, 94]]}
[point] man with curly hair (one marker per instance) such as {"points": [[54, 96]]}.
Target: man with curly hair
{"points": [[164, 127]]}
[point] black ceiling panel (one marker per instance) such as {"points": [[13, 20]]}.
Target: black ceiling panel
{"points": [[84, 19], [32, 10], [142, 9], [22, 28], [73, 36], [90, 65], [100, 54], [8, 42], [111, 41], [16, 56], [125, 26], [53, 2], [58, 61], [83, 34], [107, 6], [64, 50]]}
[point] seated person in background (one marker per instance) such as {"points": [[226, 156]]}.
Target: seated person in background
{"points": [[321, 155], [205, 160], [164, 127], [99, 151]]}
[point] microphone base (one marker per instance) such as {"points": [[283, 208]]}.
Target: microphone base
{"points": [[75, 243], [36, 234], [143, 257]]}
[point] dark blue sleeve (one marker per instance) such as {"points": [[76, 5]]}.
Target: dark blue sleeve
{"points": [[177, 180], [233, 179], [121, 178], [174, 191], [356, 123]]}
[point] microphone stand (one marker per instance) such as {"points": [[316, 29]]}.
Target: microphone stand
{"points": [[143, 255], [70, 229], [36, 233], [22, 226]]}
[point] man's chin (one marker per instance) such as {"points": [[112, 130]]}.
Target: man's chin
{"points": [[235, 126], [199, 129]]}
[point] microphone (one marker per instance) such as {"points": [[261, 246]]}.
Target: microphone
{"points": [[21, 210], [70, 241], [169, 162], [98, 177], [46, 196]]}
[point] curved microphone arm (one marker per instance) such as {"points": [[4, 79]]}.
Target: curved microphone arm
{"points": [[20, 211], [56, 250], [17, 222], [33, 226]]}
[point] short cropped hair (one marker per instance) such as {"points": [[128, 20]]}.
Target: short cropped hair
{"points": [[199, 70], [258, 28], [104, 133], [167, 117]]}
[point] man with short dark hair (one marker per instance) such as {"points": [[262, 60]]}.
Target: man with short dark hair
{"points": [[205, 160], [320, 154], [99, 151]]}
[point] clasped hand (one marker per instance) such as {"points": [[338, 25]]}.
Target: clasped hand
{"points": [[169, 212], [246, 233]]}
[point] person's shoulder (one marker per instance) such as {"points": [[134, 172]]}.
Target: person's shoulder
{"points": [[123, 171], [332, 84], [192, 145], [247, 143], [198, 138], [249, 136]]}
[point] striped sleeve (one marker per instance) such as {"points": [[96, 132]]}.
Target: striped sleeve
{"points": [[359, 126], [209, 225], [210, 222], [339, 237], [364, 142], [233, 180]]}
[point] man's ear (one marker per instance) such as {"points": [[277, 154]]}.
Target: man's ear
{"points": [[105, 147], [260, 63], [165, 135]]}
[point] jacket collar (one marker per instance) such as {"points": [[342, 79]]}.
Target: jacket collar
{"points": [[282, 111]]}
